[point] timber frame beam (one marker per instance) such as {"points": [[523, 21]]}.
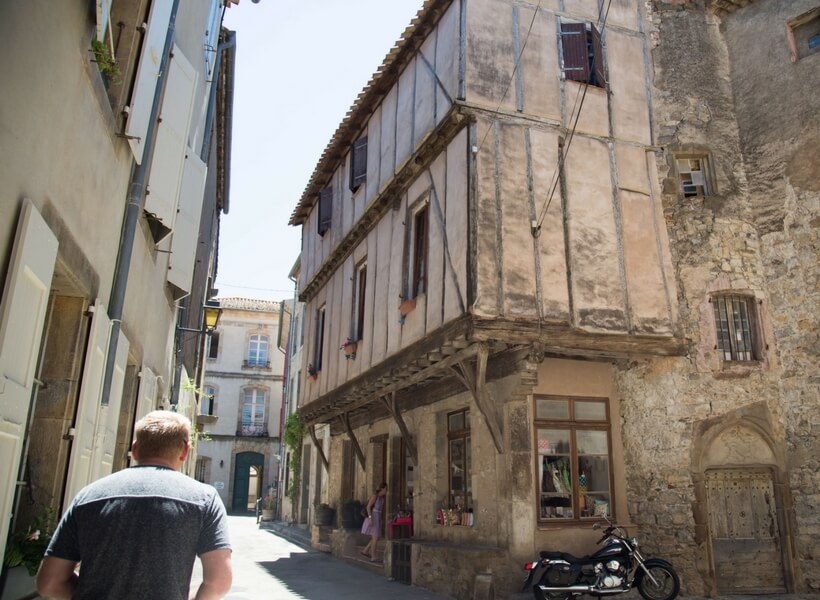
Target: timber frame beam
{"points": [[393, 408], [345, 419], [475, 380], [312, 432]]}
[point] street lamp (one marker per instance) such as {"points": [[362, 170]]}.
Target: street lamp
{"points": [[212, 312]]}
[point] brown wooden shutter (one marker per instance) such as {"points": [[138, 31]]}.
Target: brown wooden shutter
{"points": [[598, 59], [325, 209], [574, 46], [358, 164]]}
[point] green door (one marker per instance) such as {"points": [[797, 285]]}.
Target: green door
{"points": [[248, 470]]}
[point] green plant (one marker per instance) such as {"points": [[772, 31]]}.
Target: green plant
{"points": [[293, 435], [106, 63], [27, 547], [269, 502]]}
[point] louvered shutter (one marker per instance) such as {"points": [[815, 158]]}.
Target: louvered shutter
{"points": [[358, 164], [186, 225], [598, 59], [325, 209], [574, 46], [142, 98], [22, 315]]}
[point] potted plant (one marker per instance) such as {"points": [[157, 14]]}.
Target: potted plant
{"points": [[351, 515], [24, 553], [323, 514], [349, 348], [268, 506]]}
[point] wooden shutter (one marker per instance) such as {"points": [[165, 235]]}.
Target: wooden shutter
{"points": [[22, 315], [325, 209], [186, 225], [598, 59], [574, 47], [109, 420], [142, 98], [80, 463], [147, 395], [172, 137], [358, 164]]}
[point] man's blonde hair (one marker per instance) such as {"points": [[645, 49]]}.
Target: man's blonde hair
{"points": [[161, 434]]}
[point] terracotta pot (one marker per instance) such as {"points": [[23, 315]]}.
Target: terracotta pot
{"points": [[350, 348], [407, 306]]}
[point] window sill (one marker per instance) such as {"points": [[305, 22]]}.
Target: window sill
{"points": [[738, 369]]}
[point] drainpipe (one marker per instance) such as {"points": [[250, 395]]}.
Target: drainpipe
{"points": [[133, 208]]}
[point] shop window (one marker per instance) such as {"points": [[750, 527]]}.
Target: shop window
{"points": [[582, 54], [735, 319], [573, 458], [459, 460], [358, 163]]}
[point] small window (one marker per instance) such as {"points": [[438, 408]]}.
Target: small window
{"points": [[319, 341], [735, 319], [213, 345], [694, 176], [418, 283], [803, 35], [459, 460], [258, 347], [573, 458], [582, 54], [358, 301], [253, 412], [208, 404], [325, 210], [358, 163]]}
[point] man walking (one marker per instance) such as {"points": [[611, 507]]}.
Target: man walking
{"points": [[137, 532]]}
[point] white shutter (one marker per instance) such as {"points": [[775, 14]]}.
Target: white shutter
{"points": [[108, 423], [172, 134], [22, 314], [142, 98], [88, 409], [147, 399], [186, 229], [103, 15]]}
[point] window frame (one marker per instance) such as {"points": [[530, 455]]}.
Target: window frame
{"points": [[752, 346], [255, 426], [809, 20], [419, 250], [358, 163], [708, 185], [572, 424], [359, 294], [325, 211], [213, 346], [319, 338], [257, 339], [210, 398], [455, 435]]}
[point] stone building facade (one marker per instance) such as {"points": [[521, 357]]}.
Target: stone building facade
{"points": [[539, 290], [242, 401]]}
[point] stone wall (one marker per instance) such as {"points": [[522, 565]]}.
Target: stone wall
{"points": [[725, 86]]}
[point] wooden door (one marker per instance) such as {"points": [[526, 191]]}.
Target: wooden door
{"points": [[242, 478], [746, 546]]}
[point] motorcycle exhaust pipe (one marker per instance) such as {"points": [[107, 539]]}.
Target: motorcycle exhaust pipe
{"points": [[580, 589]]}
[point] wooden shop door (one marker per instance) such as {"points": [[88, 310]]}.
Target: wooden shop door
{"points": [[746, 545]]}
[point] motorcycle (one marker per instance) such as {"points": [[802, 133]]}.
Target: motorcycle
{"points": [[614, 569]]}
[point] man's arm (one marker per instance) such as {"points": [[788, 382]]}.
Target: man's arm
{"points": [[56, 578], [217, 575]]}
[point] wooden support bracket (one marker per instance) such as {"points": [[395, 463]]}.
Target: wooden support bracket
{"points": [[345, 419], [393, 408], [319, 449], [475, 380]]}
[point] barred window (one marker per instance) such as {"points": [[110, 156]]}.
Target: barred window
{"points": [[734, 322], [459, 459]]}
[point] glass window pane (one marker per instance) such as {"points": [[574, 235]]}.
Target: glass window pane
{"points": [[549, 408], [456, 422], [553, 441], [592, 442], [556, 488], [590, 410]]}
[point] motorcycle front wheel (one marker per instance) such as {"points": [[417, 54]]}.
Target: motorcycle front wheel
{"points": [[665, 587]]}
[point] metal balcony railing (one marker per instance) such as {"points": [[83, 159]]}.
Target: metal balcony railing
{"points": [[252, 430], [255, 364]]}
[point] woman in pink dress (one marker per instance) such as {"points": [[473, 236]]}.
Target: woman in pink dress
{"points": [[372, 525]]}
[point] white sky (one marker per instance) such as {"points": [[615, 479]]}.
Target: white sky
{"points": [[299, 66]]}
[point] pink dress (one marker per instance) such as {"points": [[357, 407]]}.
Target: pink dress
{"points": [[373, 526]]}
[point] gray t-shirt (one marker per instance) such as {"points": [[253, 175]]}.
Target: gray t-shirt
{"points": [[137, 533]]}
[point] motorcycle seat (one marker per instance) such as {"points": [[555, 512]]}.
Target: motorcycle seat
{"points": [[570, 558]]}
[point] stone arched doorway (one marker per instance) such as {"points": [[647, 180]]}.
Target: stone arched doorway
{"points": [[247, 481], [739, 512]]}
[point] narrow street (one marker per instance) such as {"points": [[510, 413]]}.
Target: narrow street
{"points": [[268, 566]]}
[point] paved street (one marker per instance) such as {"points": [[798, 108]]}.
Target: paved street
{"points": [[267, 566]]}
